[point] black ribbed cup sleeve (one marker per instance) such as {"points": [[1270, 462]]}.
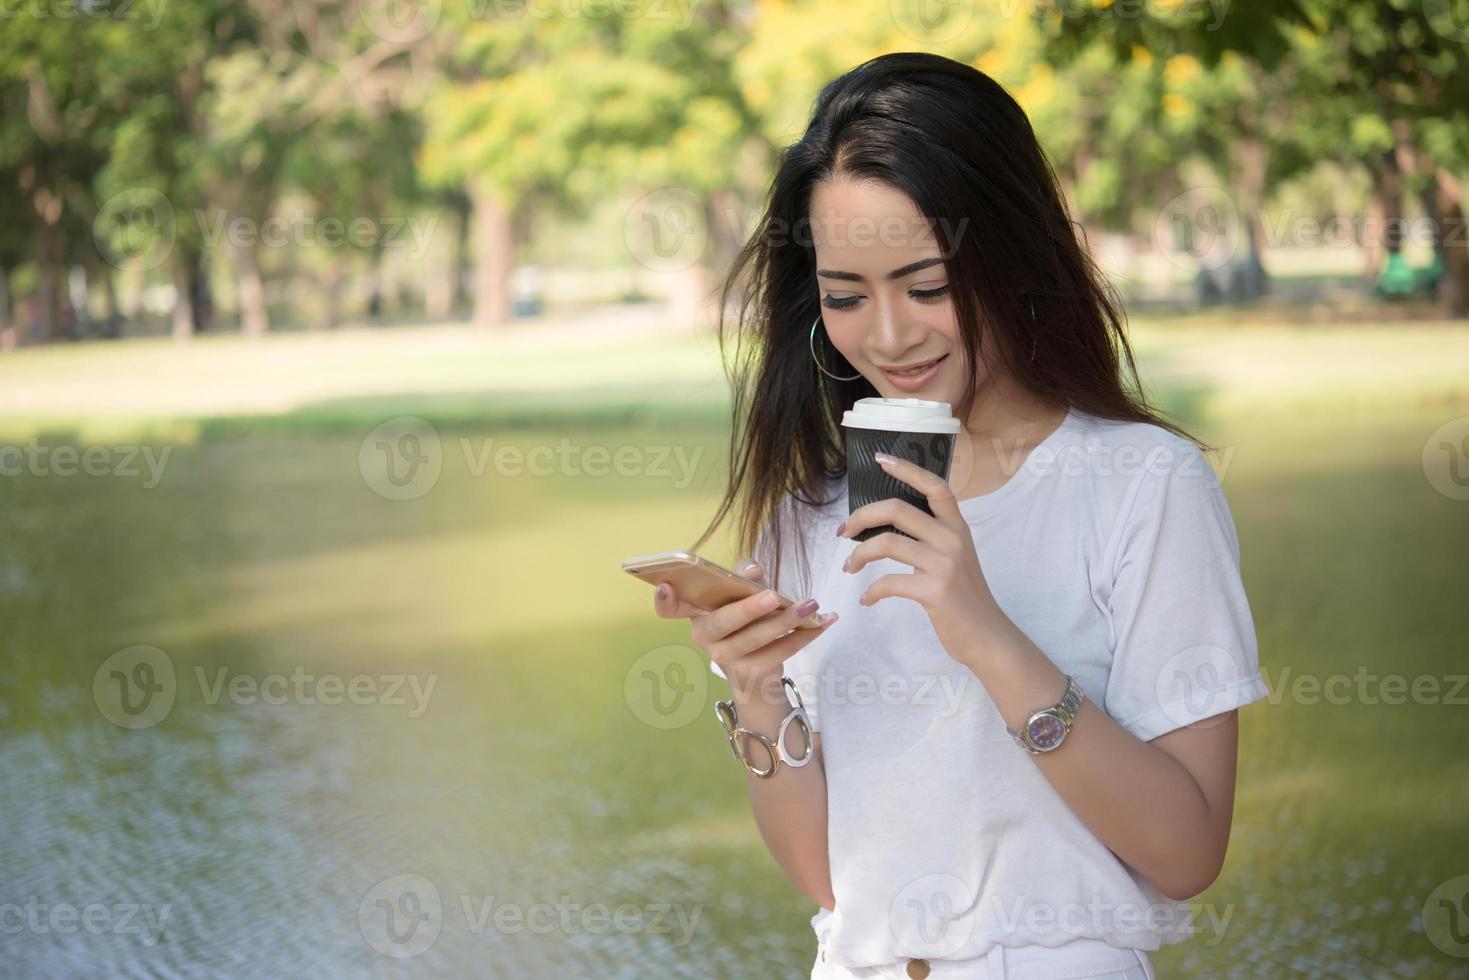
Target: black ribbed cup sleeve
{"points": [[867, 482]]}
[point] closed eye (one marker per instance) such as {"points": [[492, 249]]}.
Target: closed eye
{"points": [[921, 295]]}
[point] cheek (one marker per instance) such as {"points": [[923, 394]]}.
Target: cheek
{"points": [[846, 339]]}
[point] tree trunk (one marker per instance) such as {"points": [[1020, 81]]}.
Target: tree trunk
{"points": [[1448, 195], [1444, 202], [250, 290], [438, 284], [183, 300], [331, 286], [48, 268], [1250, 157], [112, 327], [7, 332], [492, 256], [1384, 205], [689, 302], [461, 250], [728, 231]]}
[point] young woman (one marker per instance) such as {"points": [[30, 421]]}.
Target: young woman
{"points": [[1080, 557]]}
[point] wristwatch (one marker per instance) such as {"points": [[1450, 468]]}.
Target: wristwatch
{"points": [[1046, 729]]}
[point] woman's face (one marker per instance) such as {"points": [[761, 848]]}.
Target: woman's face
{"points": [[863, 234]]}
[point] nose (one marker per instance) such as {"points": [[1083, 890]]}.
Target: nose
{"points": [[892, 337]]}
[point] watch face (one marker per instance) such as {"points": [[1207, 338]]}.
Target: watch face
{"points": [[1046, 732]]}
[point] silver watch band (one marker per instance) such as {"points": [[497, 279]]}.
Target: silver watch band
{"points": [[1056, 721]]}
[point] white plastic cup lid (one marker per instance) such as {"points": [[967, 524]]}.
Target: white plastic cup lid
{"points": [[901, 415]]}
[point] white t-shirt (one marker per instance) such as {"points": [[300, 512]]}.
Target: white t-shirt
{"points": [[1113, 549]]}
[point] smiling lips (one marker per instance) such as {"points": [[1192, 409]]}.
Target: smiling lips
{"points": [[916, 377]]}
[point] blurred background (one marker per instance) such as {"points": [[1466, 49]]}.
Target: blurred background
{"points": [[346, 347]]}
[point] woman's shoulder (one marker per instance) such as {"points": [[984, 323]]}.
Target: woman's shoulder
{"points": [[1128, 452]]}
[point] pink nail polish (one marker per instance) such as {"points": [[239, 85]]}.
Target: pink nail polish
{"points": [[841, 527], [846, 564]]}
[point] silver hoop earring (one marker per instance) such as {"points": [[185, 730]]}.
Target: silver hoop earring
{"points": [[818, 360]]}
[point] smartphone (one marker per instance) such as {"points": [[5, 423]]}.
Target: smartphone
{"points": [[702, 582]]}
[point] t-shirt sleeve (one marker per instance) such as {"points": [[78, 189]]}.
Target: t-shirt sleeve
{"points": [[1184, 645]]}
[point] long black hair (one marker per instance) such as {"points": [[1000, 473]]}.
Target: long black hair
{"points": [[953, 140]]}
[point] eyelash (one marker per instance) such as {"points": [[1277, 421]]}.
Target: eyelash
{"points": [[847, 302]]}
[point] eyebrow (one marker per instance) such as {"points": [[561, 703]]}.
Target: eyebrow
{"points": [[895, 274]]}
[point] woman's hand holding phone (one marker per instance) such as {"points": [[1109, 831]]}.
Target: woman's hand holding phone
{"points": [[747, 643]]}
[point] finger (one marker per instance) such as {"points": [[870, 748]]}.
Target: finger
{"points": [[762, 632], [890, 545], [667, 604], [779, 651], [751, 569], [733, 615], [904, 584], [940, 495], [899, 513]]}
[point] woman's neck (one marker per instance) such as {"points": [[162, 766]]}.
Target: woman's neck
{"points": [[1004, 425]]}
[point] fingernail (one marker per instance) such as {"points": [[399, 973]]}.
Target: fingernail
{"points": [[769, 600], [663, 592], [841, 527], [846, 563], [828, 618], [883, 459], [807, 608]]}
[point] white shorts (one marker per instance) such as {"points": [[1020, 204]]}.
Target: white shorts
{"points": [[1079, 959]]}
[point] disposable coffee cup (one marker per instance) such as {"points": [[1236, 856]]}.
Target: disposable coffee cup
{"points": [[923, 432]]}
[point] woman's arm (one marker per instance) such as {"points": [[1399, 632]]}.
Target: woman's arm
{"points": [[1163, 807], [790, 806]]}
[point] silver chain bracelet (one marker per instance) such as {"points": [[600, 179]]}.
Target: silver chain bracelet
{"points": [[775, 751]]}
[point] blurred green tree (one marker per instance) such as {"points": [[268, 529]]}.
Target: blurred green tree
{"points": [[561, 111]]}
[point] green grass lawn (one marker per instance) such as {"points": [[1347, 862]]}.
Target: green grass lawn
{"points": [[264, 547]]}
